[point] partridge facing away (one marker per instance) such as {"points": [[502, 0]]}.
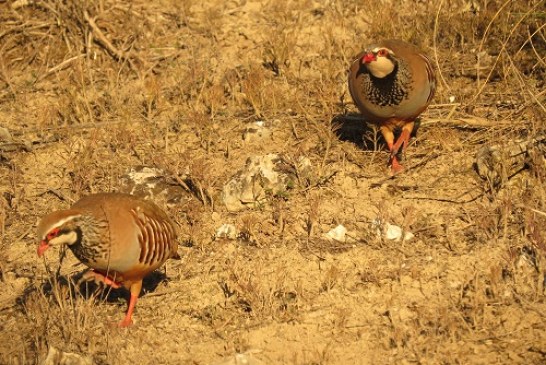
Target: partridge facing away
{"points": [[391, 83], [120, 237]]}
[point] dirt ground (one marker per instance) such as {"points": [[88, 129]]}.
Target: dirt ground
{"points": [[93, 92]]}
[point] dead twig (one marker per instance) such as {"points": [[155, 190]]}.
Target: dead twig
{"points": [[195, 189], [59, 195], [101, 39], [59, 67], [474, 121]]}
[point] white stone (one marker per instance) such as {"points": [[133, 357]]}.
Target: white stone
{"points": [[226, 231], [338, 234], [390, 231]]}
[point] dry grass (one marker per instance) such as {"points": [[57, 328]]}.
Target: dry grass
{"points": [[89, 90]]}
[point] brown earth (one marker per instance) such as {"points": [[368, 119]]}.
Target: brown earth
{"points": [[89, 91]]}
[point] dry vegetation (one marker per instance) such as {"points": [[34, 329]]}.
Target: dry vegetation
{"points": [[89, 90]]}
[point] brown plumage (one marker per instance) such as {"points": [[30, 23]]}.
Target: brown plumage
{"points": [[120, 237], [391, 83]]}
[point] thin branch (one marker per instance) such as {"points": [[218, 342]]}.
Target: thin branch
{"points": [[101, 39]]}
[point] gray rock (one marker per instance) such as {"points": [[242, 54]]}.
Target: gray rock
{"points": [[151, 183], [262, 176]]}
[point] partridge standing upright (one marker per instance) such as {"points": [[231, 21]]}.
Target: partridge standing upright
{"points": [[121, 238], [391, 83]]}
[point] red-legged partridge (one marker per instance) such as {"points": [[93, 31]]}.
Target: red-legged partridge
{"points": [[391, 83], [121, 238]]}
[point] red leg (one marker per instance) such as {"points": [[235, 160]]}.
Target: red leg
{"points": [[403, 140], [396, 167], [400, 146], [135, 291]]}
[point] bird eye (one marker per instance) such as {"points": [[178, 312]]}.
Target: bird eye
{"points": [[382, 52], [53, 233]]}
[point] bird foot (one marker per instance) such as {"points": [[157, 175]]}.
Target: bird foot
{"points": [[396, 167], [97, 277], [125, 323]]}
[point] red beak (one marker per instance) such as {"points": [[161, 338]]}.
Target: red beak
{"points": [[42, 247], [369, 57]]}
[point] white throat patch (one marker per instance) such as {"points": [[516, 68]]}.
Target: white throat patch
{"points": [[381, 67]]}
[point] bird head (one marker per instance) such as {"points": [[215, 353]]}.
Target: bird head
{"points": [[379, 61], [57, 228]]}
